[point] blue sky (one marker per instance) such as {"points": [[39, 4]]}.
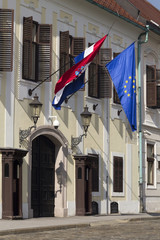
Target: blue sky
{"points": [[155, 3]]}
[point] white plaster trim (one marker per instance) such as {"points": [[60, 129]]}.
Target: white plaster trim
{"points": [[128, 207], [128, 171], [71, 205], [25, 210]]}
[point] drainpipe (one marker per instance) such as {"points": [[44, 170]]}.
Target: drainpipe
{"points": [[140, 117]]}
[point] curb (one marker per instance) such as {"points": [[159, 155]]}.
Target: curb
{"points": [[42, 229], [78, 225]]}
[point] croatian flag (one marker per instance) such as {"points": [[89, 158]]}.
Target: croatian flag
{"points": [[70, 81]]}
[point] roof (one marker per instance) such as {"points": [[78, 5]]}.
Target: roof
{"points": [[113, 6], [147, 10], [139, 12]]}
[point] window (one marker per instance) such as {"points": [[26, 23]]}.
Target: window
{"points": [[117, 174], [37, 44], [150, 164], [6, 42], [99, 82], [153, 86], [115, 95], [70, 47], [95, 173]]}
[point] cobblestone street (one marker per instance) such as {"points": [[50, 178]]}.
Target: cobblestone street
{"points": [[148, 229]]}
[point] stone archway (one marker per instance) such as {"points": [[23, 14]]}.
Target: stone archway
{"points": [[61, 153]]}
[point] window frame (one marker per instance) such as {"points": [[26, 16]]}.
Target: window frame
{"points": [[37, 50], [99, 81], [98, 155], [95, 169], [150, 159], [117, 194], [70, 47], [152, 87]]}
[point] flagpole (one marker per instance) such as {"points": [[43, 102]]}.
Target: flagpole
{"points": [[140, 117], [66, 100], [30, 91]]}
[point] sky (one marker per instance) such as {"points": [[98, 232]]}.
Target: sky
{"points": [[155, 3]]}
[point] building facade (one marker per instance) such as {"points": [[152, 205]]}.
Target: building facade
{"points": [[42, 173]]}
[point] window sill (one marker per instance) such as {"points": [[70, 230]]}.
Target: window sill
{"points": [[117, 194], [150, 187], [96, 194]]}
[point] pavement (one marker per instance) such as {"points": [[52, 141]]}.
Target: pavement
{"points": [[56, 223]]}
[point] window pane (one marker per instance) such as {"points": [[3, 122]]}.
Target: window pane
{"points": [[150, 173], [95, 173], [150, 164], [150, 151], [118, 174]]}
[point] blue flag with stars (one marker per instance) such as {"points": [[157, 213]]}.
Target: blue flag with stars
{"points": [[123, 73]]}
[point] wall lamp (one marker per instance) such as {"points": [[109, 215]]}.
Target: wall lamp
{"points": [[86, 119], [55, 123], [36, 107]]}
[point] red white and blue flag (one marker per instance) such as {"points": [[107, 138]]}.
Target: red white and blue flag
{"points": [[72, 80]]}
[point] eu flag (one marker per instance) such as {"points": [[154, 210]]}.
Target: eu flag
{"points": [[122, 72]]}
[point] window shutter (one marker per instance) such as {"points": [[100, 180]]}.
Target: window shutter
{"points": [[151, 86], [151, 94], [118, 174], [78, 46], [44, 52], [6, 39], [105, 84], [93, 80], [27, 47], [93, 77], [64, 52]]}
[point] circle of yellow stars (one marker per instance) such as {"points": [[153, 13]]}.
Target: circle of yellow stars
{"points": [[133, 86]]}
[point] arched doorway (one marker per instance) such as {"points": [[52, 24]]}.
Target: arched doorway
{"points": [[43, 177]]}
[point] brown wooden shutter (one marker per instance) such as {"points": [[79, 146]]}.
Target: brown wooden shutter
{"points": [[93, 80], [104, 81], [64, 52], [93, 77], [27, 47], [6, 39], [151, 86], [118, 174], [78, 45], [44, 52]]}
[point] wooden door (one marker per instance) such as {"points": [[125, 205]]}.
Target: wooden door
{"points": [[43, 175]]}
